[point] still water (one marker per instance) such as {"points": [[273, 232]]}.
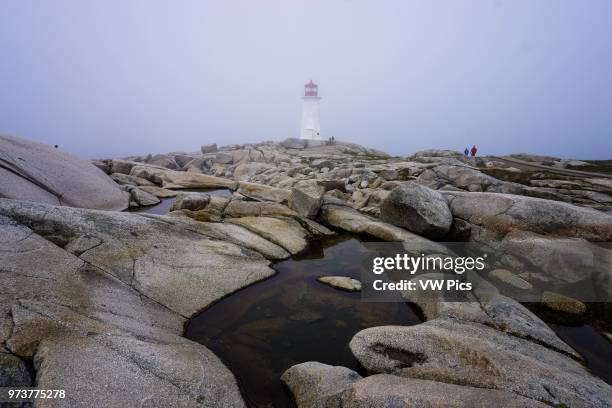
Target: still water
{"points": [[264, 329]]}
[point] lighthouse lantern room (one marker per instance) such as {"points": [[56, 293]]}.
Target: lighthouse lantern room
{"points": [[311, 128]]}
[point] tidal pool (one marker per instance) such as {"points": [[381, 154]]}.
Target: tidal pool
{"points": [[264, 329]]}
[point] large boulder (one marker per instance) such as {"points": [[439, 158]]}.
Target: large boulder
{"points": [[315, 385], [348, 219], [36, 172], [190, 201], [477, 355], [418, 209], [141, 197], [502, 213], [306, 197]]}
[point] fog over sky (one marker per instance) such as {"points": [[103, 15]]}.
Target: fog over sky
{"points": [[113, 78]]}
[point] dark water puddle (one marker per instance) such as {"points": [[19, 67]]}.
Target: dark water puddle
{"points": [[164, 207], [592, 345], [584, 333], [264, 329]]}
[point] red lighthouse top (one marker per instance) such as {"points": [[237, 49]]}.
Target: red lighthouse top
{"points": [[311, 89]]}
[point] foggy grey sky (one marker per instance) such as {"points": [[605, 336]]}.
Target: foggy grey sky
{"points": [[114, 78]]}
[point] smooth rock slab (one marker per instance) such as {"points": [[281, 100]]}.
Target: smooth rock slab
{"points": [[385, 390], [502, 213], [284, 232], [261, 192], [95, 336], [37, 172], [475, 355], [146, 253]]}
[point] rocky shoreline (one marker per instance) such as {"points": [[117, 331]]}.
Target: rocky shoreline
{"points": [[96, 300]]}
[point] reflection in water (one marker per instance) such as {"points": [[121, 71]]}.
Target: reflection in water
{"points": [[291, 318], [596, 350], [164, 207]]}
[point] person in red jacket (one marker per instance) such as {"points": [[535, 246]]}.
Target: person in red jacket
{"points": [[473, 151]]}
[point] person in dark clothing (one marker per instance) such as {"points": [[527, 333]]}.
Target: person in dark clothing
{"points": [[466, 152], [473, 151]]}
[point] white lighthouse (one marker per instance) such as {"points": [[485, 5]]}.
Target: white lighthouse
{"points": [[311, 128]]}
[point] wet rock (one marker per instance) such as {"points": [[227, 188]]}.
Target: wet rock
{"points": [[36, 172], [190, 201], [562, 303], [13, 371], [478, 356], [510, 278], [315, 385], [418, 209], [306, 197], [341, 282]]}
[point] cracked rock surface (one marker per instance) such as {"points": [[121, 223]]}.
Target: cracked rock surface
{"points": [[117, 310]]}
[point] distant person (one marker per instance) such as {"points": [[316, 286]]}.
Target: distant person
{"points": [[466, 152], [333, 140], [56, 146], [473, 151]]}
